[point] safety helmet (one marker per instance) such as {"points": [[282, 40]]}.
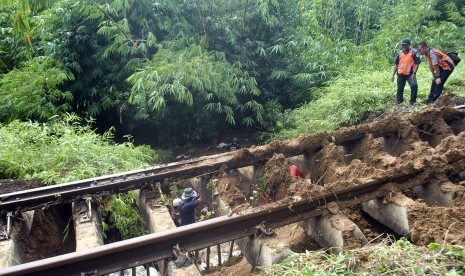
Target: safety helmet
{"points": [[405, 41], [177, 202]]}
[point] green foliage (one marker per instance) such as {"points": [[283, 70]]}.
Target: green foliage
{"points": [[32, 92], [208, 215], [195, 65], [124, 216], [212, 185], [63, 151], [262, 190], [175, 190], [350, 99], [272, 115], [347, 101], [203, 82], [401, 258], [453, 251]]}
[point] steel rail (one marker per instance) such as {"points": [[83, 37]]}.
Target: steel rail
{"points": [[138, 251], [40, 197]]}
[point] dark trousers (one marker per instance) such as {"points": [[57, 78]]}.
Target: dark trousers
{"points": [[401, 80], [436, 89]]}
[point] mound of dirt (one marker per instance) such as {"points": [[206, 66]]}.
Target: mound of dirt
{"points": [[14, 185], [437, 224], [228, 187]]}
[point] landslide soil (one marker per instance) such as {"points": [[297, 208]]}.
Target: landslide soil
{"points": [[52, 234], [429, 145], [13, 185]]}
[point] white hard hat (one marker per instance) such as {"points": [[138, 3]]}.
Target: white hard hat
{"points": [[177, 202]]}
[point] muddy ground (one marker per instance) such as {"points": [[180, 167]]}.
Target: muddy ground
{"points": [[16, 185], [434, 143], [52, 234], [335, 167]]}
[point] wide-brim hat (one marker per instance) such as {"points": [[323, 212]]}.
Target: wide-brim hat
{"points": [[188, 193]]}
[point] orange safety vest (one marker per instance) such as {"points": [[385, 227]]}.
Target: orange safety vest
{"points": [[444, 61], [406, 63]]}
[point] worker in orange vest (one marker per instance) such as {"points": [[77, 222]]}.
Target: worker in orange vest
{"points": [[441, 66], [406, 66]]}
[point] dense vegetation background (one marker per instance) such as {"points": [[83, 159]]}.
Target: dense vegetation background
{"points": [[169, 72]]}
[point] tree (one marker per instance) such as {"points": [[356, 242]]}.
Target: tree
{"points": [[189, 87], [32, 91]]}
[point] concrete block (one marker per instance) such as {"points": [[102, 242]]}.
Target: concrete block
{"points": [[200, 184], [251, 173], [248, 172], [392, 212], [263, 251], [12, 250], [87, 226], [156, 216], [335, 231], [443, 193], [171, 270]]}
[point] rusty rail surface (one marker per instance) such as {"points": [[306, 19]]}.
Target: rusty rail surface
{"points": [[37, 198], [138, 251]]}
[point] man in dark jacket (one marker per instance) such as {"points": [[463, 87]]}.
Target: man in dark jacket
{"points": [[191, 201], [406, 66]]}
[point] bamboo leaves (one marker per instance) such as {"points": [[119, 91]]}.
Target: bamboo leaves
{"points": [[32, 91], [194, 77]]}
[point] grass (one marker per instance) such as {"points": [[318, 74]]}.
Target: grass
{"points": [[400, 258], [354, 97], [64, 151]]}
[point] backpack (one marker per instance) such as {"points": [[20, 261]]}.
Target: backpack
{"points": [[455, 57]]}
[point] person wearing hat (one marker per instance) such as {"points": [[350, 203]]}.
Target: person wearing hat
{"points": [[406, 66], [190, 201]]}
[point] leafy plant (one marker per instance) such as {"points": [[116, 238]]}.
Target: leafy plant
{"points": [[32, 92], [208, 215], [401, 257], [197, 86], [262, 190], [63, 151], [347, 101], [212, 185], [124, 216]]}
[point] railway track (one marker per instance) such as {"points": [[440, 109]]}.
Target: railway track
{"points": [[46, 196], [439, 158]]}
